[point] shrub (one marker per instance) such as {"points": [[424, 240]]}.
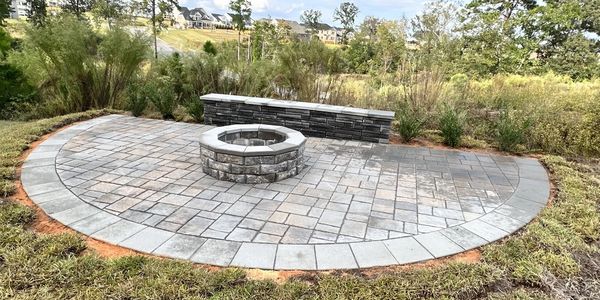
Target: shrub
{"points": [[451, 125], [78, 68], [137, 98], [510, 131], [15, 91], [161, 94], [209, 48], [195, 108], [409, 124]]}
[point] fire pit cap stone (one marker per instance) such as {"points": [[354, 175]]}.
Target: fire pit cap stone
{"points": [[292, 140]]}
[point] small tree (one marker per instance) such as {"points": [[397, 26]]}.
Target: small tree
{"points": [[37, 12], [158, 17], [241, 12], [346, 14], [77, 7], [209, 48], [109, 10], [312, 19]]}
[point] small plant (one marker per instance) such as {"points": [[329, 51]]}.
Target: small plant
{"points": [[137, 99], [510, 131], [209, 48], [195, 108], [161, 94], [452, 122], [410, 124]]}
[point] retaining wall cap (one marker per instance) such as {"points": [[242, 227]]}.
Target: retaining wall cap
{"points": [[300, 105]]}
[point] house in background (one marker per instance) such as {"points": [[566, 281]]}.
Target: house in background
{"points": [[19, 9], [222, 21], [328, 34], [193, 18]]}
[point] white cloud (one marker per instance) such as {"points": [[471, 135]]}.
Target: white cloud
{"points": [[257, 5]]}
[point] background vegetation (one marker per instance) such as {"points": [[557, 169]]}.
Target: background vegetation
{"points": [[509, 69]]}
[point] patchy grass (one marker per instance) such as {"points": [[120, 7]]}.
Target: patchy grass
{"points": [[555, 256], [194, 39], [15, 137]]}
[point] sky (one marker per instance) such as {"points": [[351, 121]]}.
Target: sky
{"points": [[291, 10]]}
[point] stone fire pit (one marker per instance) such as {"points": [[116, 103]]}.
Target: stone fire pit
{"points": [[252, 153]]}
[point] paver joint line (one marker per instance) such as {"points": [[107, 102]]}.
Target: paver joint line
{"points": [[387, 204]]}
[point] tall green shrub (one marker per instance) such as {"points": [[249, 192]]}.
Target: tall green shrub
{"points": [[510, 130], [161, 94], [410, 123], [78, 69], [452, 122], [137, 98], [195, 108]]}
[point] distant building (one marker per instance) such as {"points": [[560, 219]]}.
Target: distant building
{"points": [[19, 9], [193, 18], [222, 21], [328, 34]]}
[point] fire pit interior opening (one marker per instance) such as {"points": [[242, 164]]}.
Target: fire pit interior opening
{"points": [[252, 138]]}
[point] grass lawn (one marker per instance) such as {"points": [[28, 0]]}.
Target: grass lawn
{"points": [[194, 39], [556, 256]]}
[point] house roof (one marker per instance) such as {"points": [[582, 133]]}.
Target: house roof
{"points": [[200, 12]]}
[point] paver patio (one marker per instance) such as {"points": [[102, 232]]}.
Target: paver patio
{"points": [[138, 183]]}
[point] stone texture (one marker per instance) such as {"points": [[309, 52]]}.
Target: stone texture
{"points": [[310, 119], [139, 183]]}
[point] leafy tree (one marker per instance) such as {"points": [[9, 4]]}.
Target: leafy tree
{"points": [[241, 12], [109, 10], [390, 45], [498, 35], [433, 33], [368, 28], [359, 55], [346, 14], [264, 37], [576, 57], [37, 12], [77, 7], [311, 19], [158, 10]]}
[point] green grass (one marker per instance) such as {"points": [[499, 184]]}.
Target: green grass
{"points": [[554, 256], [194, 39], [15, 137]]}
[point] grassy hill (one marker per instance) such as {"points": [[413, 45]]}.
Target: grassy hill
{"points": [[194, 39]]}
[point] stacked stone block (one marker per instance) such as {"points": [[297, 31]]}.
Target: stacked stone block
{"points": [[252, 169], [312, 119]]}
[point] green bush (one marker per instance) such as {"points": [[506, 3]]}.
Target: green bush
{"points": [[209, 48], [510, 131], [195, 108], [452, 122], [409, 124], [78, 68], [137, 98], [15, 91], [161, 94]]}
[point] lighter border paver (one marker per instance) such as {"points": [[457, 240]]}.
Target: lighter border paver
{"points": [[45, 188]]}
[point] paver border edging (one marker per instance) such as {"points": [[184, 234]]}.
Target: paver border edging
{"points": [[45, 188]]}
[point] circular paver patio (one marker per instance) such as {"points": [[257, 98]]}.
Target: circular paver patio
{"points": [[138, 183]]}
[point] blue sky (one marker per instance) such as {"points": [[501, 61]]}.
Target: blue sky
{"points": [[388, 9]]}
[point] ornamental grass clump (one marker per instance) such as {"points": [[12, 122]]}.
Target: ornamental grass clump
{"points": [[452, 122]]}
